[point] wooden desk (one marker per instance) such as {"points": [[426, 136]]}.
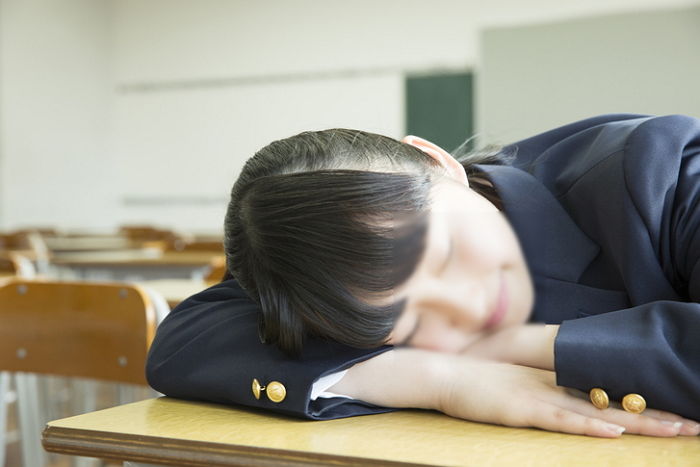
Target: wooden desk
{"points": [[177, 432], [135, 264], [88, 243]]}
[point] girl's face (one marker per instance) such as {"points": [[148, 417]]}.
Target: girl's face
{"points": [[471, 280]]}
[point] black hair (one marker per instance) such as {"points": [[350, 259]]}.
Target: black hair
{"points": [[320, 222]]}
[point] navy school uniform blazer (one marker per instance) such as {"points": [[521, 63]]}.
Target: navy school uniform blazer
{"points": [[606, 211]]}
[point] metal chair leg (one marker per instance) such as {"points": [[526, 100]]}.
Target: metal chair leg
{"points": [[4, 389], [30, 425]]}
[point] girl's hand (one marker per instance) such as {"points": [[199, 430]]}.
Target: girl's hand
{"points": [[519, 396], [493, 392]]}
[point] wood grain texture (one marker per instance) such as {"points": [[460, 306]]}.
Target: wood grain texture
{"points": [[145, 257], [188, 433], [77, 329]]}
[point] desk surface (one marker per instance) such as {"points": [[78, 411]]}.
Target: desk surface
{"points": [[143, 257], [88, 243], [187, 433]]}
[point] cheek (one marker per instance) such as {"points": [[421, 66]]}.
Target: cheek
{"points": [[488, 242], [439, 336]]}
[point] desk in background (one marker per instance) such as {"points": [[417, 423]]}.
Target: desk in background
{"points": [[134, 265], [83, 243], [174, 432]]}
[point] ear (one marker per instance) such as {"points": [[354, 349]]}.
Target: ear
{"points": [[450, 164]]}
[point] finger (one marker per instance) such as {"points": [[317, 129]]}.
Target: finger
{"points": [[688, 427], [651, 419], [642, 424], [553, 418]]}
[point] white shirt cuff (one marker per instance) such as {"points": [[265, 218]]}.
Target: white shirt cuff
{"points": [[319, 388]]}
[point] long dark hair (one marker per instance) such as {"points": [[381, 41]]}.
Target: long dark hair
{"points": [[320, 222]]}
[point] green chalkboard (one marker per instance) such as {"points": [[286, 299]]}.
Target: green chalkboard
{"points": [[439, 108]]}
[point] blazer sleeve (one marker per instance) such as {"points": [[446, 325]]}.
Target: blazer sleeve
{"points": [[653, 348], [208, 349]]}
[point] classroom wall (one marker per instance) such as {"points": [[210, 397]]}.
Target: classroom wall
{"points": [[127, 111], [535, 77], [54, 113]]}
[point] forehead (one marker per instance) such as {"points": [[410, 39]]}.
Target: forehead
{"points": [[450, 195]]}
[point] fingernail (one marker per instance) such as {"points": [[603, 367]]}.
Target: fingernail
{"points": [[691, 428], [676, 425], [617, 429]]}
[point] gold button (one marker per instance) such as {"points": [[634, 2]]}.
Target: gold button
{"points": [[256, 388], [599, 398], [276, 391], [634, 403]]}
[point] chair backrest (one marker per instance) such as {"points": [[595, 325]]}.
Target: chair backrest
{"points": [[8, 265], [215, 247], [217, 270], [145, 233], [15, 241], [78, 329]]}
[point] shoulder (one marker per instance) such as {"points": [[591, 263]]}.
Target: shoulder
{"points": [[657, 151], [220, 313], [222, 292], [224, 301], [623, 148]]}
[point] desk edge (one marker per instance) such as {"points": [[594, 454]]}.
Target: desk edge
{"points": [[159, 450]]}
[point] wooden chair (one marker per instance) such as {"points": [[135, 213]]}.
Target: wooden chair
{"points": [[8, 265], [28, 244], [14, 241], [14, 265], [215, 247], [145, 233], [217, 271], [43, 231], [75, 329]]}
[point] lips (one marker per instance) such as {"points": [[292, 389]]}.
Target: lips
{"points": [[499, 312]]}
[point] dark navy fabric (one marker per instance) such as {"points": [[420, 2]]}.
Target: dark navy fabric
{"points": [[623, 288], [208, 349], [605, 210]]}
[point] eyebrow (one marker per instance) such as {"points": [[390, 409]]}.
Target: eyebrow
{"points": [[406, 340]]}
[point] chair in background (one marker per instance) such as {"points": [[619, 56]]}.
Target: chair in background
{"points": [[8, 266], [28, 244], [215, 247], [74, 329], [217, 272], [13, 241], [14, 265], [147, 233]]}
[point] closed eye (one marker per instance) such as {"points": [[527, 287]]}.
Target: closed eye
{"points": [[407, 340]]}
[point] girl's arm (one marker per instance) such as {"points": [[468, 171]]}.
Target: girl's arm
{"points": [[528, 345], [493, 392], [634, 189], [208, 349]]}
